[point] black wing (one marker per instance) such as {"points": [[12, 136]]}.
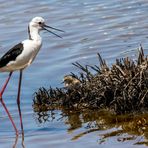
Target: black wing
{"points": [[11, 55]]}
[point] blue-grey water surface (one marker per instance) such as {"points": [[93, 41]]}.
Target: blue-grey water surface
{"points": [[115, 28]]}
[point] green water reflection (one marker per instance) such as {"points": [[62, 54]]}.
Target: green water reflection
{"points": [[122, 127]]}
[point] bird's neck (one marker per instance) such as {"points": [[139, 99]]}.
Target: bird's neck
{"points": [[34, 34]]}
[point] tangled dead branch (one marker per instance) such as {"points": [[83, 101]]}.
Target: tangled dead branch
{"points": [[121, 88]]}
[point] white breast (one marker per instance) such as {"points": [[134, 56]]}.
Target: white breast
{"points": [[31, 48]]}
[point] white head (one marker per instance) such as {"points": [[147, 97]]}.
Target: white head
{"points": [[37, 24]]}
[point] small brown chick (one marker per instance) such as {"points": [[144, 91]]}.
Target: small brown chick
{"points": [[71, 81]]}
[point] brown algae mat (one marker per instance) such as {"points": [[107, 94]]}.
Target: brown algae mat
{"points": [[121, 88]]}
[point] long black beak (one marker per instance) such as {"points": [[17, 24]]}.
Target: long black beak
{"points": [[45, 28]]}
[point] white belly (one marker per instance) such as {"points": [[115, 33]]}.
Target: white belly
{"points": [[31, 48]]}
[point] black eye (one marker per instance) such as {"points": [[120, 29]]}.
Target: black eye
{"points": [[40, 23]]}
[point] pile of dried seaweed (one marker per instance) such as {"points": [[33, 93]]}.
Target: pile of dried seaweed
{"points": [[121, 88]]}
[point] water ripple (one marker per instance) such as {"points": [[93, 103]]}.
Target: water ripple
{"points": [[114, 28]]}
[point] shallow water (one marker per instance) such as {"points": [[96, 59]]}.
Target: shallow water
{"points": [[114, 28]]}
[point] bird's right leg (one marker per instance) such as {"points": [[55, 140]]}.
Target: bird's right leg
{"points": [[3, 104], [5, 85]]}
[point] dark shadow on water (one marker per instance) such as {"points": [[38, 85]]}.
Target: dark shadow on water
{"points": [[131, 127]]}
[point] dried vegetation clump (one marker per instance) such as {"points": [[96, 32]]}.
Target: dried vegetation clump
{"points": [[121, 88]]}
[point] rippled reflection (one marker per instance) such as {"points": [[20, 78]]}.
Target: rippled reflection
{"points": [[16, 141], [123, 127]]}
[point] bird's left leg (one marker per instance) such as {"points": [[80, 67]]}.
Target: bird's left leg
{"points": [[18, 101]]}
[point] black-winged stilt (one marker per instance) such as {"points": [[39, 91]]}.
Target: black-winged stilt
{"points": [[21, 56]]}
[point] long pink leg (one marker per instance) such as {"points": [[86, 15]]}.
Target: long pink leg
{"points": [[1, 99], [18, 101]]}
